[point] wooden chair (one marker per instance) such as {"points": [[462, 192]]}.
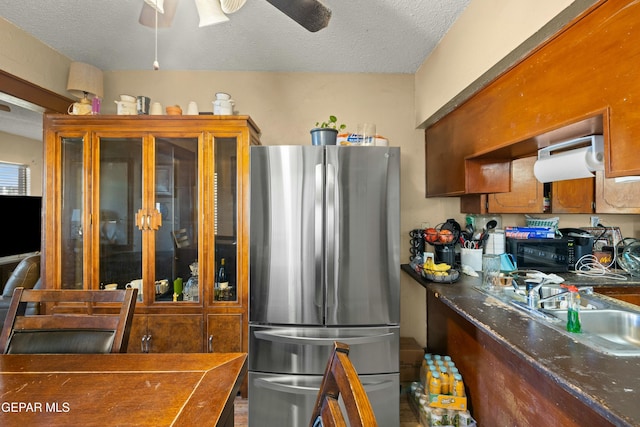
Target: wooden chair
{"points": [[341, 379], [75, 321]]}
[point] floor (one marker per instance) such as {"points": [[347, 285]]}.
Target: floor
{"points": [[407, 417]]}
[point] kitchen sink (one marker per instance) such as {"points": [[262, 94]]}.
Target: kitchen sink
{"points": [[613, 331], [606, 326]]}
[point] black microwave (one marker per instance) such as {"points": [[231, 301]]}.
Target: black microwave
{"points": [[551, 255]]}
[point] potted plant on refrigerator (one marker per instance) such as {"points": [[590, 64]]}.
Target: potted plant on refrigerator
{"points": [[326, 133]]}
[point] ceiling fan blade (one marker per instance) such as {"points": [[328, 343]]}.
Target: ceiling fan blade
{"points": [[148, 14], [311, 14]]}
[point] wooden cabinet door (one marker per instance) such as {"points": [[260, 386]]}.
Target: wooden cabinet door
{"points": [[526, 195], [167, 333], [138, 333], [445, 165], [616, 197], [224, 333], [573, 196], [178, 333]]}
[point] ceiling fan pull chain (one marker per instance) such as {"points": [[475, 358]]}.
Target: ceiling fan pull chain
{"points": [[156, 65]]}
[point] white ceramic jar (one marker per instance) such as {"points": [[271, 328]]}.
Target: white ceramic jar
{"points": [[223, 104]]}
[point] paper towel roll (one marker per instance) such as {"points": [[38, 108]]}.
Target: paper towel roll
{"points": [[568, 165]]}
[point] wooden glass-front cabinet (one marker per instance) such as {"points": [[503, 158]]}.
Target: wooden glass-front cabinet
{"points": [[153, 202]]}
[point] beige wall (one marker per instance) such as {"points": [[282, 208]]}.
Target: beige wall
{"points": [[17, 149], [24, 56], [284, 105]]}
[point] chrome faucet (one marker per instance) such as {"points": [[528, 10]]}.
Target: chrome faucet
{"points": [[532, 295], [533, 300]]}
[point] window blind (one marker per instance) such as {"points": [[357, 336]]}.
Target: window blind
{"points": [[15, 179]]}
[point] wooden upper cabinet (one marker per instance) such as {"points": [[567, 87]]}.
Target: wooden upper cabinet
{"points": [[526, 195], [572, 196], [616, 197], [445, 166], [573, 76]]}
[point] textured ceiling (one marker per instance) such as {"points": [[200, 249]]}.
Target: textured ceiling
{"points": [[380, 36], [370, 36]]}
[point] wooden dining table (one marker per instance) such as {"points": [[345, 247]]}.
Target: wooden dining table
{"points": [[169, 389]]}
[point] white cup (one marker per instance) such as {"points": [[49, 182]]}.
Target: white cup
{"points": [[156, 109], [192, 109]]}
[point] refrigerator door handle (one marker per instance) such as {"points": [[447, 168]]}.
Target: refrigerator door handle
{"points": [[278, 385], [319, 231], [283, 338], [330, 236]]}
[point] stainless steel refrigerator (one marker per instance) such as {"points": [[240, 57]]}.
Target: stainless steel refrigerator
{"points": [[324, 266]]}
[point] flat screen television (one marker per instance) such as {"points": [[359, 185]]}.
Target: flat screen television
{"points": [[23, 216]]}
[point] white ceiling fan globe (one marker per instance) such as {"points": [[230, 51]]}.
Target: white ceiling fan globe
{"points": [[230, 6], [210, 12], [156, 4]]}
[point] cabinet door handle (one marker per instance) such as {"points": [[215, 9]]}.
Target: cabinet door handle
{"points": [[210, 344], [148, 343], [140, 219], [142, 346]]}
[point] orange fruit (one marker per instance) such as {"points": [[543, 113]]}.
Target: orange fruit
{"points": [[446, 236], [431, 235]]}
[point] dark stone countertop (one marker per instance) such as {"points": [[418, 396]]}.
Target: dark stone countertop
{"points": [[608, 384]]}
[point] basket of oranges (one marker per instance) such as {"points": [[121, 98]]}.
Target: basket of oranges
{"points": [[443, 234]]}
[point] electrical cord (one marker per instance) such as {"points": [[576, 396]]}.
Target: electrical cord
{"points": [[590, 266]]}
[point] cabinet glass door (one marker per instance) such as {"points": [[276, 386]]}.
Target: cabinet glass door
{"points": [[72, 232], [176, 240], [120, 197], [225, 217]]}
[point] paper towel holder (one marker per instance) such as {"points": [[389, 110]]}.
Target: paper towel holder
{"points": [[591, 145]]}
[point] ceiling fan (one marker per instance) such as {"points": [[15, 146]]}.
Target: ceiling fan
{"points": [[311, 14]]}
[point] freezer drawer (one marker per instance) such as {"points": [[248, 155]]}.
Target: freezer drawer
{"points": [[287, 400], [306, 350]]}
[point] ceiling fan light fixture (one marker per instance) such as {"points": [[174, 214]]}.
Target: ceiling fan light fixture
{"points": [[231, 6], [210, 12], [156, 5]]}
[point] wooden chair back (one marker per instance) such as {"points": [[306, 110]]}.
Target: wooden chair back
{"points": [[341, 379], [74, 321]]}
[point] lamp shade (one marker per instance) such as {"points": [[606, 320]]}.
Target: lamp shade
{"points": [[84, 79]]}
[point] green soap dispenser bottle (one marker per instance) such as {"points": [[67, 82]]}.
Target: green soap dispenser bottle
{"points": [[573, 309]]}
